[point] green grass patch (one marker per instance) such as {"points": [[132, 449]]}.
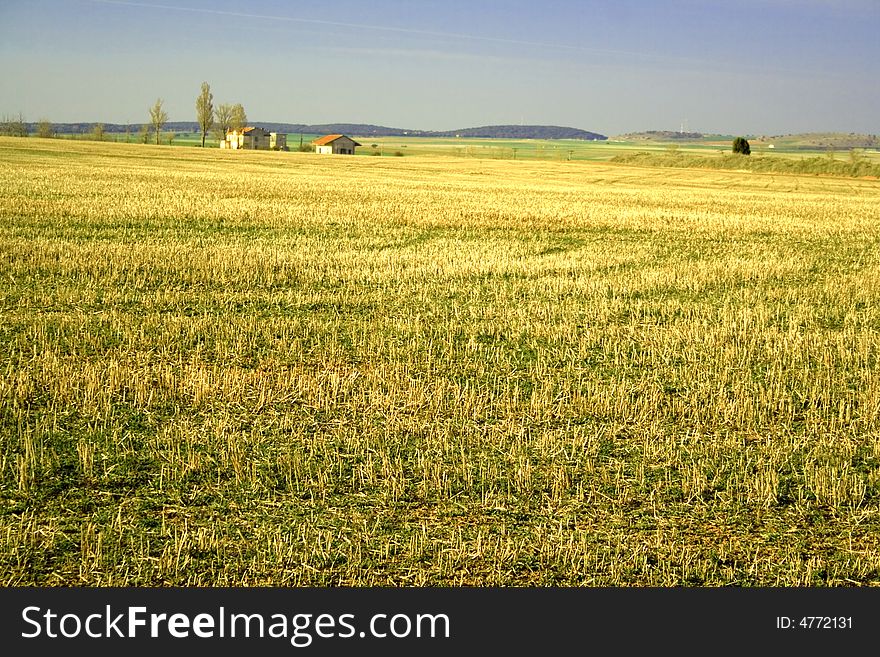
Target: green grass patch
{"points": [[855, 166]]}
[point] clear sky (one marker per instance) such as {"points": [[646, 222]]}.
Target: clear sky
{"points": [[761, 67]]}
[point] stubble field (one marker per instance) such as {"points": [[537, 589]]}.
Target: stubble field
{"points": [[232, 368]]}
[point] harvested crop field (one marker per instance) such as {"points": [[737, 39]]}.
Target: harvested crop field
{"points": [[252, 369]]}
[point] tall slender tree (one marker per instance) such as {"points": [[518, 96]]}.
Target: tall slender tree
{"points": [[158, 117], [238, 118], [205, 110]]}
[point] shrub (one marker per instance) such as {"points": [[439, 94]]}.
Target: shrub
{"points": [[741, 146]]}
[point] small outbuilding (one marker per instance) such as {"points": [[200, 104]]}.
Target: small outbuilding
{"points": [[335, 145]]}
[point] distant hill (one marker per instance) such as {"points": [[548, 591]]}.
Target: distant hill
{"points": [[352, 129], [357, 130], [523, 132]]}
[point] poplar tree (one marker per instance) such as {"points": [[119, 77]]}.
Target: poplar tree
{"points": [[238, 120], [205, 110], [158, 117]]}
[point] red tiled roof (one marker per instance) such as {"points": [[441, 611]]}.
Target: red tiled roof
{"points": [[326, 139], [323, 141], [250, 128]]}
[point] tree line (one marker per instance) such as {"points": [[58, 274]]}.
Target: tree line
{"points": [[222, 119], [217, 120], [15, 126]]}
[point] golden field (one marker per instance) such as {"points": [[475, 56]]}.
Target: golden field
{"points": [[236, 368]]}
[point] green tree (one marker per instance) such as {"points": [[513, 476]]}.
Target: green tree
{"points": [[158, 118], [238, 120], [144, 133], [741, 146], [205, 110]]}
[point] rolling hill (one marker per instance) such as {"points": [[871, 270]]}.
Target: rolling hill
{"points": [[358, 130]]}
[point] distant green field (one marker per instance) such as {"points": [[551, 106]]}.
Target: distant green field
{"points": [[558, 150], [519, 149], [498, 149], [855, 165], [575, 149]]}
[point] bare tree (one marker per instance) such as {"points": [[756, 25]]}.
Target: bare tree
{"points": [[158, 117], [238, 120], [205, 110], [144, 133], [12, 127], [98, 132], [222, 120]]}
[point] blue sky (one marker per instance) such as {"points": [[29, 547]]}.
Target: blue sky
{"points": [[740, 66]]}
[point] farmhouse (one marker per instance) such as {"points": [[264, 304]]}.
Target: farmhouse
{"points": [[253, 138], [335, 145]]}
